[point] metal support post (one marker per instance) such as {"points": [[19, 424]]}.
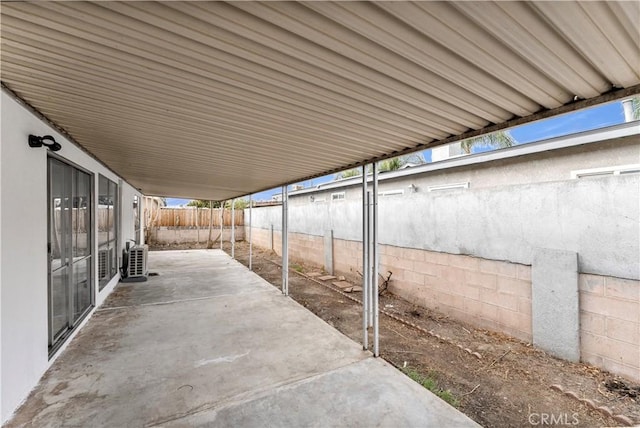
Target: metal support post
{"points": [[376, 347], [365, 260], [370, 251], [233, 228], [221, 221], [285, 241], [250, 227]]}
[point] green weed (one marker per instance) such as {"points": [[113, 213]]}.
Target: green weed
{"points": [[429, 382]]}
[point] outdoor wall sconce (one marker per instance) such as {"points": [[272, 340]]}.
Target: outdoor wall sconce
{"points": [[413, 188], [47, 141]]}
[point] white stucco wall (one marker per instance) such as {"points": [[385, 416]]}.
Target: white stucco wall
{"points": [[127, 231], [1, 413], [596, 217], [23, 249]]}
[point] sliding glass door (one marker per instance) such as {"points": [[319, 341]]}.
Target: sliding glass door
{"points": [[70, 243], [108, 219]]}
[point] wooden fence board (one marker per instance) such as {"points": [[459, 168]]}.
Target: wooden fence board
{"points": [[196, 217]]}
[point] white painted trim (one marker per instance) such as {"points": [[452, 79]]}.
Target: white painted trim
{"points": [[396, 192], [450, 186], [606, 170]]}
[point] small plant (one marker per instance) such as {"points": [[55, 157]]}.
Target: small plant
{"points": [[429, 382], [297, 268]]}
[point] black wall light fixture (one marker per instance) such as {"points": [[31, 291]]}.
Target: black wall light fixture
{"points": [[47, 141]]}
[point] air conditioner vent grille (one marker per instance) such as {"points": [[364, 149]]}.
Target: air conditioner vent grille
{"points": [[103, 257], [138, 261]]}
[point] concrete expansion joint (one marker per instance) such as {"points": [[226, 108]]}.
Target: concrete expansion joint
{"points": [[172, 302], [593, 404], [252, 395], [393, 316]]}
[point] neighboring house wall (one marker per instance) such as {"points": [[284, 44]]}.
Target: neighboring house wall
{"points": [[23, 204], [468, 252], [594, 217]]}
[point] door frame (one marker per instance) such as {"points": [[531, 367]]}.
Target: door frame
{"points": [[54, 343]]}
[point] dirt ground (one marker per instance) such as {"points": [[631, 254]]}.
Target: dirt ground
{"points": [[498, 381]]}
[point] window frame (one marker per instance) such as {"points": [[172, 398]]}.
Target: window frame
{"points": [[108, 250], [137, 220]]}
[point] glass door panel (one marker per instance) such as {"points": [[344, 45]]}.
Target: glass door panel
{"points": [[59, 300], [81, 244], [59, 196], [81, 287], [56, 210], [70, 240], [81, 215], [113, 218]]}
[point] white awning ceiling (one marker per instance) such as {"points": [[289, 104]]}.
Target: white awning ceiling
{"points": [[214, 100]]}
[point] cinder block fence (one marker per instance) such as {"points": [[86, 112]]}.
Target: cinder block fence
{"points": [[539, 241], [491, 294]]}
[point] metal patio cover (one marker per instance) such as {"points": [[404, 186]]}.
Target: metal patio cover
{"points": [[214, 100]]}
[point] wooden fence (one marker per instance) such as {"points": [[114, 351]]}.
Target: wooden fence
{"points": [[79, 219], [196, 217], [191, 217], [106, 219]]}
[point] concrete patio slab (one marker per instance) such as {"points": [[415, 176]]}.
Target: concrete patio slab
{"points": [[209, 343]]}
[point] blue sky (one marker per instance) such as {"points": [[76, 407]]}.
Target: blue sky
{"points": [[571, 123]]}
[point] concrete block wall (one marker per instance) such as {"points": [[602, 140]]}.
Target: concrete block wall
{"points": [[347, 258], [610, 323], [260, 237], [308, 249], [491, 294]]}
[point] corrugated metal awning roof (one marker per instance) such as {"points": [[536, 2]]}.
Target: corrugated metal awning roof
{"points": [[215, 100]]}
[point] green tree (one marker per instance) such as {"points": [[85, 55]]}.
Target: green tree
{"points": [[240, 204], [391, 164], [495, 140], [201, 203], [635, 103], [348, 173], [396, 163]]}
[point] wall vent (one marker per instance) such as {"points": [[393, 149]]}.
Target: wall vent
{"points": [[137, 266]]}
